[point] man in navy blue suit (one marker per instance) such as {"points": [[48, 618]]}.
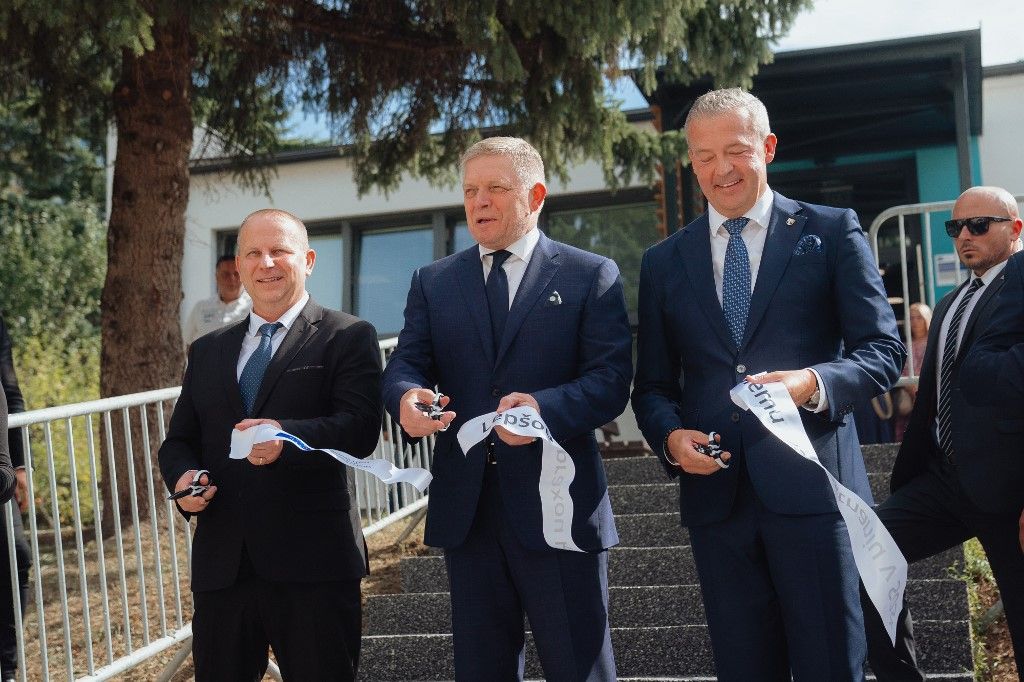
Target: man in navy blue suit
{"points": [[517, 320], [762, 283]]}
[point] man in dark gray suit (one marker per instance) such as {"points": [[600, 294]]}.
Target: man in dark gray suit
{"points": [[957, 475]]}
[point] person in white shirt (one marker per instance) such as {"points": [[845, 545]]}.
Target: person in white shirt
{"points": [[231, 303]]}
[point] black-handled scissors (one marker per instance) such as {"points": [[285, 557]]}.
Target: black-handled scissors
{"points": [[194, 490]]}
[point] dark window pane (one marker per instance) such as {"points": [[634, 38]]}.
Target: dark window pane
{"points": [[621, 233], [387, 259]]}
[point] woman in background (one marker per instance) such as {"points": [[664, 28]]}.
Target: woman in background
{"points": [[904, 397]]}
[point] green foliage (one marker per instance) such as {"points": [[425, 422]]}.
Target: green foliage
{"points": [[51, 271], [405, 84], [977, 572], [51, 375]]}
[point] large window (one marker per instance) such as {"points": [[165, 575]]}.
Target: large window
{"points": [[325, 284], [621, 233], [386, 261]]}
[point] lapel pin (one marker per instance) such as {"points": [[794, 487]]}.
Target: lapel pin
{"points": [[790, 221], [555, 298]]}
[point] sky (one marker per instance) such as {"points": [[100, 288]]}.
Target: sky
{"points": [[843, 22]]}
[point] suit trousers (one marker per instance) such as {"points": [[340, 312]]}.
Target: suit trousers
{"points": [[8, 633], [927, 516], [780, 594], [493, 579], [313, 628]]}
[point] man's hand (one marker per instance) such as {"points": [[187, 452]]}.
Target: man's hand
{"points": [[1021, 531], [507, 403], [21, 488], [800, 383], [415, 423], [262, 453], [680, 450], [194, 505]]}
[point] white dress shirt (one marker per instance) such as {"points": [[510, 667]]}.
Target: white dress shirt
{"points": [[515, 265], [754, 235], [251, 341]]}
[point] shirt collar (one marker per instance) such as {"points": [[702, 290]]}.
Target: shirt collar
{"points": [[760, 212], [521, 248], [289, 317], [991, 273]]}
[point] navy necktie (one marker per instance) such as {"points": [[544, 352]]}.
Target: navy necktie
{"points": [[256, 366], [949, 351], [736, 280], [497, 295]]}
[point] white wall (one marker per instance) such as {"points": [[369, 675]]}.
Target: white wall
{"points": [[1002, 139], [313, 190]]}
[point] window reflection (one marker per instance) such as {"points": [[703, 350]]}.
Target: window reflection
{"points": [[324, 285], [621, 233], [387, 259], [462, 239]]}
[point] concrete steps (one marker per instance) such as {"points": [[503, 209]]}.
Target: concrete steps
{"points": [[655, 607]]}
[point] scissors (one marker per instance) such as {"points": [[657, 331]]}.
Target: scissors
{"points": [[194, 490], [712, 450], [432, 410]]}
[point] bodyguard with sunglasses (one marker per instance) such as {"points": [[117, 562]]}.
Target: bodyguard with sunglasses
{"points": [[960, 470]]}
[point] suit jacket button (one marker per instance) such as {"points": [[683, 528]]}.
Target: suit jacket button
{"points": [[741, 369], [735, 416], [495, 392]]}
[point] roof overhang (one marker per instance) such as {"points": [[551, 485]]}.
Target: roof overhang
{"points": [[848, 99]]}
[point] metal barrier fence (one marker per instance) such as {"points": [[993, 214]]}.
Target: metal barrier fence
{"points": [[122, 585], [925, 254]]}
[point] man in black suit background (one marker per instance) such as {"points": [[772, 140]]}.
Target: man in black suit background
{"points": [[952, 479], [278, 553], [15, 403]]}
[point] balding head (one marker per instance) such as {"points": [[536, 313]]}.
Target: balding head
{"points": [[980, 252], [281, 216]]}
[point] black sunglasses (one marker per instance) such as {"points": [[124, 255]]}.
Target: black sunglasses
{"points": [[976, 226]]}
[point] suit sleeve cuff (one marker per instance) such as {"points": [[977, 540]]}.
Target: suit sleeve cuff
{"points": [[822, 404]]}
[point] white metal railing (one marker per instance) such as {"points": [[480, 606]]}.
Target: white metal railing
{"points": [[123, 589], [924, 253]]}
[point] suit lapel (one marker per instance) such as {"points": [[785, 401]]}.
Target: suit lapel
{"points": [[784, 231], [694, 247], [470, 274], [928, 389], [230, 349], [541, 268], [300, 332]]}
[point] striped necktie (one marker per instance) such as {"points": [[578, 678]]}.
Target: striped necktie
{"points": [[949, 351]]}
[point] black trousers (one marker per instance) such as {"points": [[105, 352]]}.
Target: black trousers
{"points": [[313, 628], [8, 633], [929, 515]]}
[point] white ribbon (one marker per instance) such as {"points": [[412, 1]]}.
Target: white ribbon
{"points": [[881, 565], [556, 468], [242, 442]]}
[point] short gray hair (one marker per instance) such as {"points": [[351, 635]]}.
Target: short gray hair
{"points": [[731, 100], [279, 215], [526, 160]]}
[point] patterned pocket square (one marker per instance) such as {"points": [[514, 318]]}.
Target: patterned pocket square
{"points": [[554, 298], [809, 243]]}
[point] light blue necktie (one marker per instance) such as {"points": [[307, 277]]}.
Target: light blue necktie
{"points": [[736, 280], [256, 366]]}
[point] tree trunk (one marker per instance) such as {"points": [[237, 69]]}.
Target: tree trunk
{"points": [[142, 344]]}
